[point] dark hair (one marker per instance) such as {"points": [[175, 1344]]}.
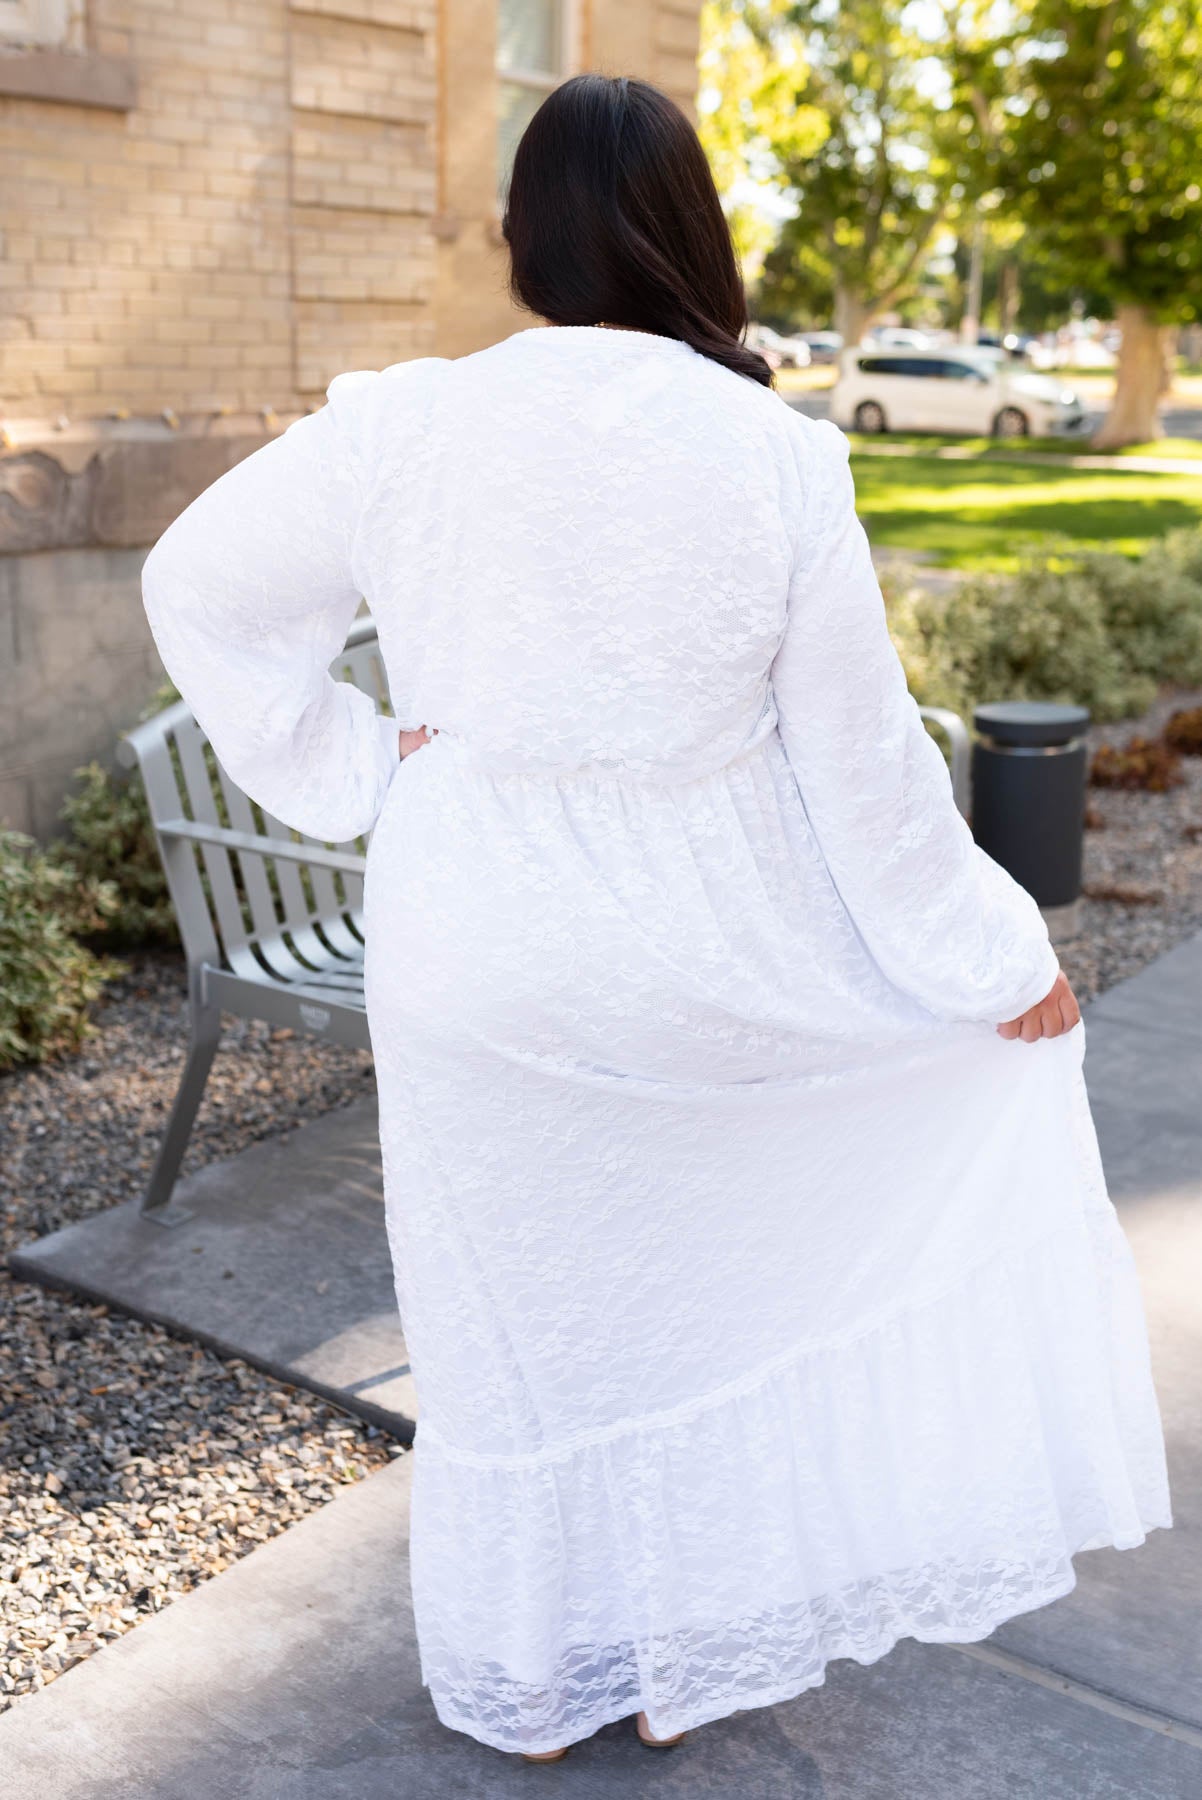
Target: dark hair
{"points": [[612, 217]]}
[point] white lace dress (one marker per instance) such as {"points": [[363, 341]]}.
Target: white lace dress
{"points": [[765, 1306]]}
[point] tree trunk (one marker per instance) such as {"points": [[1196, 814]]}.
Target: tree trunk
{"points": [[852, 317], [1134, 416], [970, 323], [1008, 296]]}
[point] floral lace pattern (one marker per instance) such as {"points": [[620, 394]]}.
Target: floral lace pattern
{"points": [[764, 1306]]}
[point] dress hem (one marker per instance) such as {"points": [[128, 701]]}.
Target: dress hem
{"points": [[667, 1726]]}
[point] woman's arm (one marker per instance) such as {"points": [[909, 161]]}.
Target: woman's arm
{"points": [[944, 921], [250, 594]]}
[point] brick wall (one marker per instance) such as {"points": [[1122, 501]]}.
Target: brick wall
{"points": [[213, 207], [285, 197], [258, 219]]}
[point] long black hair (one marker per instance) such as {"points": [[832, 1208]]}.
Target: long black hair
{"points": [[612, 217]]}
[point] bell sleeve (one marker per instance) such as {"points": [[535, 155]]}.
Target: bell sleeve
{"points": [[942, 920], [249, 595]]}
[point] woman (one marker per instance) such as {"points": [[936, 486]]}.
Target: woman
{"points": [[764, 1299]]}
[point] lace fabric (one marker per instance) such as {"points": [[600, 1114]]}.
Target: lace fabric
{"points": [[764, 1306]]}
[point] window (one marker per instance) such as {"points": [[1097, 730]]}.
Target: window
{"points": [[896, 365], [964, 371], [43, 24], [534, 54]]}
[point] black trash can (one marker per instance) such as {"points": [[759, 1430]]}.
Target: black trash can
{"points": [[1029, 769]]}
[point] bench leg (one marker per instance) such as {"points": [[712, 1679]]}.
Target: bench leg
{"points": [[206, 1034]]}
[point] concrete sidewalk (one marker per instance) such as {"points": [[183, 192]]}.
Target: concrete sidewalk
{"points": [[295, 1675], [278, 1255]]}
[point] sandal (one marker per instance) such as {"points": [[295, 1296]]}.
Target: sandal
{"points": [[545, 1755], [653, 1743]]}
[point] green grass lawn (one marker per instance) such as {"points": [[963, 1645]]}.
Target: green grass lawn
{"points": [[995, 450], [984, 512]]}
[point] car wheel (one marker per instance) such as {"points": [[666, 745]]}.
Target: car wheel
{"points": [[1011, 422], [870, 417]]}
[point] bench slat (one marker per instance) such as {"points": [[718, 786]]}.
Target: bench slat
{"points": [[264, 910], [227, 905], [300, 920]]}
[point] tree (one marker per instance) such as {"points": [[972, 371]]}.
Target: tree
{"points": [[842, 122], [1095, 111], [748, 123]]}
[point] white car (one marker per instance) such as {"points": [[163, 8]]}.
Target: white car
{"points": [[898, 337], [968, 391], [790, 352]]}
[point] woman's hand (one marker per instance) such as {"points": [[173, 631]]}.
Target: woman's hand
{"points": [[413, 740], [1056, 1012]]}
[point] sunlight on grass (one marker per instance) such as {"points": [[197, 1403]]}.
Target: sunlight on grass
{"points": [[1166, 449], [981, 514]]}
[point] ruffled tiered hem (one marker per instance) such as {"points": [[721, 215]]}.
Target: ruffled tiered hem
{"points": [[929, 1477]]}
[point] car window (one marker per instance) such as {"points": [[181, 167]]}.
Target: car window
{"points": [[962, 371], [921, 366]]}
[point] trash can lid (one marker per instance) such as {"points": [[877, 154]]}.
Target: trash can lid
{"points": [[1030, 722]]}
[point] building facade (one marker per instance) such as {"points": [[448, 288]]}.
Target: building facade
{"points": [[209, 209]]}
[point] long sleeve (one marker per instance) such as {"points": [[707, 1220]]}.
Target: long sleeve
{"points": [[943, 921], [249, 594]]}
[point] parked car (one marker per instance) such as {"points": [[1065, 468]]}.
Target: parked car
{"points": [[976, 392], [898, 337], [757, 337], [793, 352], [1015, 347], [824, 346]]}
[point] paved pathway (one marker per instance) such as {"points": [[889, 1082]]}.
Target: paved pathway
{"points": [[294, 1675], [278, 1255]]}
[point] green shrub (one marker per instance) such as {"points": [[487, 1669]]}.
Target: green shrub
{"points": [[1097, 629], [47, 977], [1152, 606], [110, 838]]}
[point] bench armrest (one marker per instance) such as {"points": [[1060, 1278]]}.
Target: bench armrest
{"points": [[961, 747], [348, 862]]}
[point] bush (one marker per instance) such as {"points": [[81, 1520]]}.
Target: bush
{"points": [[1183, 731], [1093, 628], [110, 839], [1141, 762], [47, 977]]}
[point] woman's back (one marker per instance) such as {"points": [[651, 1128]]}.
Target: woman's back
{"points": [[704, 1162], [577, 546]]}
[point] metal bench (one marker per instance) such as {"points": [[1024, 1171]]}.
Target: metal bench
{"points": [[271, 921], [960, 745]]}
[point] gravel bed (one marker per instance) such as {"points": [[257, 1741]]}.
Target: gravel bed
{"points": [[134, 1465], [1143, 865]]}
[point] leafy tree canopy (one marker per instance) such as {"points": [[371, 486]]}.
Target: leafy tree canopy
{"points": [[857, 142], [1096, 143]]}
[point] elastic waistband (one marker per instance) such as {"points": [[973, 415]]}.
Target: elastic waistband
{"points": [[471, 755]]}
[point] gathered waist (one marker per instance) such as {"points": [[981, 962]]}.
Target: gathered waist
{"points": [[673, 770]]}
